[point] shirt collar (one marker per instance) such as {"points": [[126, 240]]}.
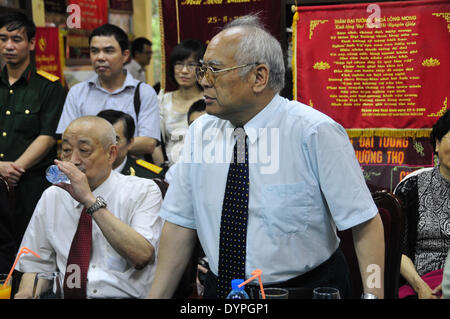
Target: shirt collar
{"points": [[129, 82], [260, 120], [104, 189], [26, 75]]}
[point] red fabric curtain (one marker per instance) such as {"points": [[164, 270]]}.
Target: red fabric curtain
{"points": [[202, 19]]}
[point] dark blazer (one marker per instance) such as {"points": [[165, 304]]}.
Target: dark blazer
{"points": [[132, 168]]}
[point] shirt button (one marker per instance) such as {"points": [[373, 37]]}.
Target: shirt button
{"points": [[4, 133], [8, 112], [11, 91], [94, 291], [27, 111]]}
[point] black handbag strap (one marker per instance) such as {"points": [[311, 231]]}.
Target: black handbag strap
{"points": [[137, 101]]}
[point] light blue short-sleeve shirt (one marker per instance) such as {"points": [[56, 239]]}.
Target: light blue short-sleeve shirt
{"points": [[304, 182], [89, 98]]}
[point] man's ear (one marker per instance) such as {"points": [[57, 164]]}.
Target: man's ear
{"points": [[32, 44], [112, 154], [126, 55], [130, 142], [261, 78]]}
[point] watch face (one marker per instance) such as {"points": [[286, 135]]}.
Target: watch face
{"points": [[101, 201]]}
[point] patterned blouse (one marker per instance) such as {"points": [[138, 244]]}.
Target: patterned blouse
{"points": [[426, 201]]}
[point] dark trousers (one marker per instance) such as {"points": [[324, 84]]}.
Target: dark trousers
{"points": [[332, 273]]}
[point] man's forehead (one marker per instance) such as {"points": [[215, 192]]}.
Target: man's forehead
{"points": [[19, 31], [80, 133], [101, 41], [222, 47], [75, 139]]}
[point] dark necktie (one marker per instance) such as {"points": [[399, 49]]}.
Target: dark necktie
{"points": [[233, 223], [77, 266]]}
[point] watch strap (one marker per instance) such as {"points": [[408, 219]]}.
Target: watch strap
{"points": [[99, 203]]}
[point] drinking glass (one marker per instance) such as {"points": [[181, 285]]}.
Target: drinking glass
{"points": [[326, 293], [47, 285], [275, 293], [5, 292]]}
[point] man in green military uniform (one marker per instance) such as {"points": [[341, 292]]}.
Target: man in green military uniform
{"points": [[31, 103], [124, 125]]}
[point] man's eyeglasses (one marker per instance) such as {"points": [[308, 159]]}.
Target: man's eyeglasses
{"points": [[190, 66], [211, 74]]}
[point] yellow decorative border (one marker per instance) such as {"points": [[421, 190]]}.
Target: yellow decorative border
{"points": [[446, 16], [163, 50], [441, 111], [178, 22], [313, 24], [294, 54], [388, 132], [62, 56]]}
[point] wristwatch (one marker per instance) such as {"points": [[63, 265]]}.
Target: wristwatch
{"points": [[99, 203], [368, 295]]}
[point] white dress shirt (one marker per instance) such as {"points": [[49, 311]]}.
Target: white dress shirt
{"points": [[136, 70], [135, 201], [304, 181]]}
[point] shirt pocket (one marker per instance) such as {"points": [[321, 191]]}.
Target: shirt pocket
{"points": [[27, 119], [286, 208]]}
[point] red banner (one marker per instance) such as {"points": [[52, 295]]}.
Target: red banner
{"points": [[378, 69], [94, 13], [49, 51], [386, 160], [202, 19]]}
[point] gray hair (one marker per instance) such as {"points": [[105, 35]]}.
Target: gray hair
{"points": [[258, 45], [106, 134]]}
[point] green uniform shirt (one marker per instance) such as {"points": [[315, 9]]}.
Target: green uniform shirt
{"points": [[30, 107]]}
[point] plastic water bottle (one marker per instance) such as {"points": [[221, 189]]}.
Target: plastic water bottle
{"points": [[54, 175], [236, 292]]}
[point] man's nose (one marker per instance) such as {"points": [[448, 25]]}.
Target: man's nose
{"points": [[75, 158], [204, 82], [100, 56], [9, 45]]}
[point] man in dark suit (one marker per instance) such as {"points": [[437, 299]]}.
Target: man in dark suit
{"points": [[124, 125]]}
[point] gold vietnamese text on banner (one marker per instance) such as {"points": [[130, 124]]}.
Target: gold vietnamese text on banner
{"points": [[378, 69]]}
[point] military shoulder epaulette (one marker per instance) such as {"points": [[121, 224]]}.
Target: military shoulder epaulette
{"points": [[48, 76], [151, 167]]}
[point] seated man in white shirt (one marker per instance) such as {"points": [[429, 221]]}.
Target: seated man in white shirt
{"points": [[123, 212]]}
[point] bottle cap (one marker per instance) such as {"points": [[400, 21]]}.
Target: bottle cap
{"points": [[235, 283]]}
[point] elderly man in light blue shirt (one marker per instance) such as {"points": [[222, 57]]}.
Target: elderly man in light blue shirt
{"points": [[114, 88], [304, 179]]}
